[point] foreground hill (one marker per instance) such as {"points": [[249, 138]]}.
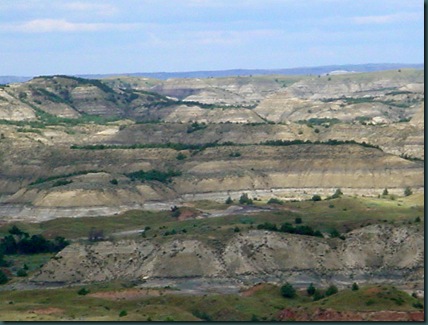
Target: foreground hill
{"points": [[364, 255]]}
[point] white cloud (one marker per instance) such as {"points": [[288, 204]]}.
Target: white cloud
{"points": [[61, 25], [387, 19]]}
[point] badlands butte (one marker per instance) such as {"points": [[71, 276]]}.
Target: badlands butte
{"points": [[72, 148]]}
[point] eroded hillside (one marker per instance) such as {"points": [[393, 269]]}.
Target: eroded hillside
{"points": [[364, 255]]}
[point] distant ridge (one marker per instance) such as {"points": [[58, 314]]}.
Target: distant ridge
{"points": [[243, 72]]}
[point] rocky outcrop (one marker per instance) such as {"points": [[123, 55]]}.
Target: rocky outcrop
{"points": [[377, 252], [214, 172]]}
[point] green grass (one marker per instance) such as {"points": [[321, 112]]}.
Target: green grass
{"points": [[264, 304], [348, 213], [343, 214], [369, 298]]}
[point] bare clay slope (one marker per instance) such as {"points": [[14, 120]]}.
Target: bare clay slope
{"points": [[212, 173], [385, 97], [377, 251]]}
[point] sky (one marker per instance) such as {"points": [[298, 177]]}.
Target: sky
{"points": [[46, 37]]}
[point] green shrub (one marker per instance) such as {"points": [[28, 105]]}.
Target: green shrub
{"points": [[123, 313], [370, 302], [114, 181], [298, 220], [355, 287], [316, 197], [274, 200], [334, 233], [229, 200], [331, 290], [21, 273], [153, 175], [181, 156], [83, 292], [408, 191], [418, 305], [318, 295], [337, 194], [311, 290], [202, 315], [62, 182], [288, 291], [385, 192], [267, 226], [3, 278], [244, 199]]}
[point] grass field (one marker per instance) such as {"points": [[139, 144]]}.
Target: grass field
{"points": [[263, 302], [344, 213]]}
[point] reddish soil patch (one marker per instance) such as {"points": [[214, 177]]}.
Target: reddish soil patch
{"points": [[128, 294], [47, 311], [188, 214], [251, 291], [296, 314], [372, 291]]}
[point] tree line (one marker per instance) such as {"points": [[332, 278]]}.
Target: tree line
{"points": [[20, 242]]}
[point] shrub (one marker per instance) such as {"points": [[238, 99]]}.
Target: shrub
{"points": [[418, 219], [21, 273], [123, 313], [298, 220], [244, 199], [337, 194], [267, 226], [355, 287], [175, 213], [236, 229], [287, 227], [318, 295], [153, 175], [408, 191], [331, 290], [418, 305], [334, 233], [288, 291], [311, 290], [95, 234], [62, 182], [254, 318], [229, 200], [202, 315], [114, 181], [3, 277], [181, 156], [275, 201], [316, 197], [83, 292], [385, 192]]}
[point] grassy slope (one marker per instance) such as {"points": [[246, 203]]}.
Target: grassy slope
{"points": [[263, 304], [344, 213]]}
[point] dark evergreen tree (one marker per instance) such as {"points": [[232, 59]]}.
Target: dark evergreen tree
{"points": [[311, 290], [288, 291]]}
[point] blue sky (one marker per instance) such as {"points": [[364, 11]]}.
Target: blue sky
{"points": [[41, 37]]}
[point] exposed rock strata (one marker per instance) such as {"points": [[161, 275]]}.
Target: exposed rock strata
{"points": [[378, 249]]}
